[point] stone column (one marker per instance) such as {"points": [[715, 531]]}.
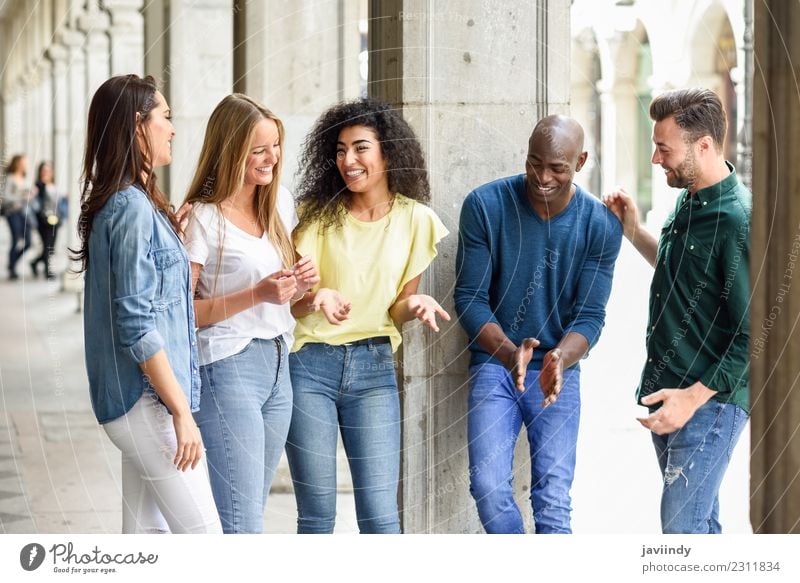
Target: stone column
{"points": [[77, 110], [300, 57], [60, 100], [775, 272], [94, 24], [126, 35], [200, 74], [512, 59]]}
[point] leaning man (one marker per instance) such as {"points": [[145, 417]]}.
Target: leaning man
{"points": [[695, 380], [535, 260]]}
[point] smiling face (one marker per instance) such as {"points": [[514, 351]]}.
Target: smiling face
{"points": [[674, 154], [554, 156], [159, 131], [360, 161], [265, 152]]}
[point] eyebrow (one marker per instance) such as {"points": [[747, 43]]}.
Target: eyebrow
{"points": [[361, 141]]}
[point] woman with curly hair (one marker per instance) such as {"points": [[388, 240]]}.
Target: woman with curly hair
{"points": [[362, 216]]}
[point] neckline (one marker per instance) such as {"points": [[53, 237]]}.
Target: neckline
{"points": [[379, 221], [527, 205], [239, 229]]}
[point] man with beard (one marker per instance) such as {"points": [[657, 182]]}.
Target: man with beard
{"points": [[695, 380], [535, 259]]}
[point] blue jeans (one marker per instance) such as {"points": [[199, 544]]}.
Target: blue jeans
{"points": [[245, 409], [693, 461], [496, 413], [20, 238], [351, 388]]}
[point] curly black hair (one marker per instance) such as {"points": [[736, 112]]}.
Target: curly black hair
{"points": [[322, 195]]}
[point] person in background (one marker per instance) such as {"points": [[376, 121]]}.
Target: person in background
{"points": [[49, 207], [15, 198]]}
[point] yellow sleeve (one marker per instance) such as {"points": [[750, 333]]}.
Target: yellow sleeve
{"points": [[428, 230]]}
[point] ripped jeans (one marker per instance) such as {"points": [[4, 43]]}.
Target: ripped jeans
{"points": [[693, 461]]}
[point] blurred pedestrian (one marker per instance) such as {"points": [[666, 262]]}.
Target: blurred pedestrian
{"points": [[49, 208], [15, 208]]}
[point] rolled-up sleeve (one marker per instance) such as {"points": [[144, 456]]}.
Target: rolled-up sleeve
{"points": [[134, 277], [474, 268], [732, 369]]}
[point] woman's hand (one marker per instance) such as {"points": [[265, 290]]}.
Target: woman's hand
{"points": [[190, 443], [335, 307], [425, 308], [277, 288], [305, 271], [182, 216]]}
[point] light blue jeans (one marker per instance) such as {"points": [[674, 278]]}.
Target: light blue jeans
{"points": [[245, 410], [693, 461], [351, 388], [496, 413]]}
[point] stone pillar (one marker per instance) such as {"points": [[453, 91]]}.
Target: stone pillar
{"points": [[775, 272], [298, 57], [513, 62], [94, 24], [77, 110], [60, 100], [45, 110], [126, 36], [200, 74]]}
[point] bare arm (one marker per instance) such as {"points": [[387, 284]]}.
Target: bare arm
{"points": [[410, 305], [277, 288], [624, 208]]}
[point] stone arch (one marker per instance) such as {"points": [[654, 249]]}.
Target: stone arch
{"points": [[714, 64], [585, 106]]}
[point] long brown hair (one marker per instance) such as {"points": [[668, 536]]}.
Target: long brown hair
{"points": [[115, 157], [223, 159]]}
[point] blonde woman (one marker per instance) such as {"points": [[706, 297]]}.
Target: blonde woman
{"points": [[245, 275]]}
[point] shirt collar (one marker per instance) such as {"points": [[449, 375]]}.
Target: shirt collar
{"points": [[713, 192]]}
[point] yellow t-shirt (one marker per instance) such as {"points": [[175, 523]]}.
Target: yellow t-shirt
{"points": [[368, 263]]}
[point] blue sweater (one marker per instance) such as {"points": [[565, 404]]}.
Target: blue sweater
{"points": [[534, 278]]}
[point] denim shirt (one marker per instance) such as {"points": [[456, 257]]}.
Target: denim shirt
{"points": [[137, 301]]}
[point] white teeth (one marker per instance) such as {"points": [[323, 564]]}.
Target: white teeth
{"points": [[354, 173], [265, 169]]}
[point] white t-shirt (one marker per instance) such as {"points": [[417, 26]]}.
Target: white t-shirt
{"points": [[245, 261]]}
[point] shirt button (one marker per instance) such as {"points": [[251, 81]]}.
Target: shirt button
{"points": [[675, 231], [658, 295], [705, 202], [652, 327], [649, 360], [691, 246]]}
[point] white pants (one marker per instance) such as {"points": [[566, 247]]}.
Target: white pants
{"points": [[156, 496]]}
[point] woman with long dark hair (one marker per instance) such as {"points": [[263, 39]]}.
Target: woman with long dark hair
{"points": [[139, 335], [363, 216]]}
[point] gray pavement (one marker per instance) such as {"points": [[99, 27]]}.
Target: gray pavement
{"points": [[60, 474]]}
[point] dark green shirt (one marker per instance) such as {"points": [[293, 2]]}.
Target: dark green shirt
{"points": [[699, 327]]}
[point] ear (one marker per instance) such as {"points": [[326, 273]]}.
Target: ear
{"points": [[705, 145], [581, 161]]}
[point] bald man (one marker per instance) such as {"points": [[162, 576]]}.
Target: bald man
{"points": [[535, 260]]}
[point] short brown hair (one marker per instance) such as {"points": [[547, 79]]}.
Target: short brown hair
{"points": [[698, 112]]}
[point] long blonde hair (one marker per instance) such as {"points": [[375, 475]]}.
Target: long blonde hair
{"points": [[221, 169]]}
